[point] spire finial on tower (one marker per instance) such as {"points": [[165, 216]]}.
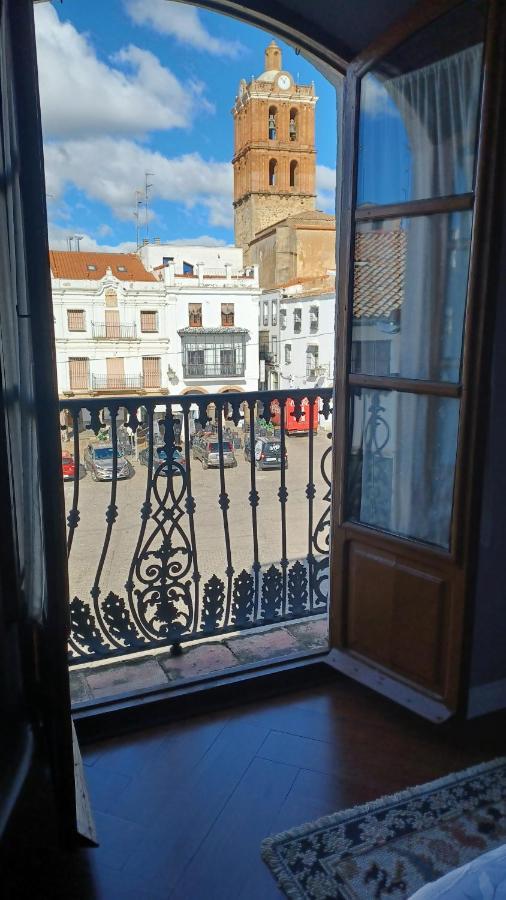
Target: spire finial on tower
{"points": [[273, 61]]}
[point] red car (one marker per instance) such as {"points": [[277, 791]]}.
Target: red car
{"points": [[68, 465]]}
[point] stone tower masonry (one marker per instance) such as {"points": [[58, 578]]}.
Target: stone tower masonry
{"points": [[274, 149]]}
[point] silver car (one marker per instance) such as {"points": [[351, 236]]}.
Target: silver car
{"points": [[208, 451], [98, 460]]}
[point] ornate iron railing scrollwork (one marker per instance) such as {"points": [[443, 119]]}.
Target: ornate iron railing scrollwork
{"points": [[167, 600]]}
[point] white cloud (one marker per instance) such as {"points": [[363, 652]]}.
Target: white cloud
{"points": [[82, 95], [109, 170], [326, 188], [182, 22], [58, 240]]}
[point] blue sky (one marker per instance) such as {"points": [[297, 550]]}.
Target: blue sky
{"points": [[135, 85]]}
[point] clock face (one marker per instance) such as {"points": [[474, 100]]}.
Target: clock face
{"points": [[284, 82]]}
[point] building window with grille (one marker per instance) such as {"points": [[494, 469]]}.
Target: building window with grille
{"points": [[266, 313], [195, 315], [149, 320], [214, 355], [297, 320], [274, 344], [76, 320], [282, 318], [227, 315], [79, 373], [195, 363], [111, 298], [288, 353], [311, 361], [314, 319], [152, 371], [274, 312]]}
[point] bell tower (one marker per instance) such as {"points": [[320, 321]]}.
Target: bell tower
{"points": [[274, 149]]}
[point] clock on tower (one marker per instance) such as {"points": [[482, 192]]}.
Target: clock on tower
{"points": [[274, 153]]}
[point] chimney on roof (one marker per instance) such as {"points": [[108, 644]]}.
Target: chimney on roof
{"points": [[157, 240], [145, 241]]}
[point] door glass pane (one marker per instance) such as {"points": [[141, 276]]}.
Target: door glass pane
{"points": [[419, 113], [409, 299], [401, 464]]}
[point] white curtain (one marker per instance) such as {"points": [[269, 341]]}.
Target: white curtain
{"points": [[439, 106], [16, 354]]}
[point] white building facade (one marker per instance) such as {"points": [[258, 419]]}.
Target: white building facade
{"points": [[121, 329], [297, 333]]}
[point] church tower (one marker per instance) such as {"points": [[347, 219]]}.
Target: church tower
{"points": [[274, 149]]}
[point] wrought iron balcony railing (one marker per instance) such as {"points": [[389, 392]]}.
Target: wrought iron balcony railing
{"points": [[117, 382], [102, 331], [187, 569]]}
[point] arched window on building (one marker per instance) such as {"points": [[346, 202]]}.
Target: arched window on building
{"points": [[272, 172], [293, 173], [293, 125], [273, 113]]}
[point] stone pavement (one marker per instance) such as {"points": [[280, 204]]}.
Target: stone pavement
{"points": [[158, 669]]}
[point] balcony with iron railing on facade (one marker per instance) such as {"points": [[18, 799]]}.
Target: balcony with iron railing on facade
{"points": [[102, 331], [114, 383], [192, 569]]}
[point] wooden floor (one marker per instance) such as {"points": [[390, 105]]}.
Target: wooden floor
{"points": [[181, 809]]}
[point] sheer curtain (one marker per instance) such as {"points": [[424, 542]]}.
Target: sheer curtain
{"points": [[16, 355], [439, 106]]}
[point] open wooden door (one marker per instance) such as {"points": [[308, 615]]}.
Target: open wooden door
{"points": [[410, 323], [30, 419]]}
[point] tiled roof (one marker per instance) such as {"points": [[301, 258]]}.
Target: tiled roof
{"points": [[312, 215], [75, 266], [380, 263]]}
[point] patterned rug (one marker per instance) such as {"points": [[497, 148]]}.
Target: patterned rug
{"points": [[393, 846]]}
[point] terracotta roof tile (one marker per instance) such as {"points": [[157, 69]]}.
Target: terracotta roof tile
{"points": [[75, 266], [380, 263]]}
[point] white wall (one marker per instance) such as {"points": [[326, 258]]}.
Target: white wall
{"points": [[213, 257], [293, 374], [171, 305], [133, 297]]}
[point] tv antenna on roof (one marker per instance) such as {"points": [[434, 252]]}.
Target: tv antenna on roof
{"points": [[147, 186], [138, 204], [78, 238]]}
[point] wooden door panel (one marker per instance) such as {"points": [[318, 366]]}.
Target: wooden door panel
{"points": [[418, 625], [398, 614], [371, 584]]}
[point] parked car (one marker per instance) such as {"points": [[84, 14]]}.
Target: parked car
{"points": [[207, 449], [160, 456], [68, 465], [267, 452], [98, 460]]}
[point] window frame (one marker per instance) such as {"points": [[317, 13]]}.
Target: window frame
{"points": [[149, 312], [195, 312], [82, 313]]}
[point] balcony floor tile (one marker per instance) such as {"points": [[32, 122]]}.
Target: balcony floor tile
{"points": [[198, 661], [263, 645], [114, 679]]}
